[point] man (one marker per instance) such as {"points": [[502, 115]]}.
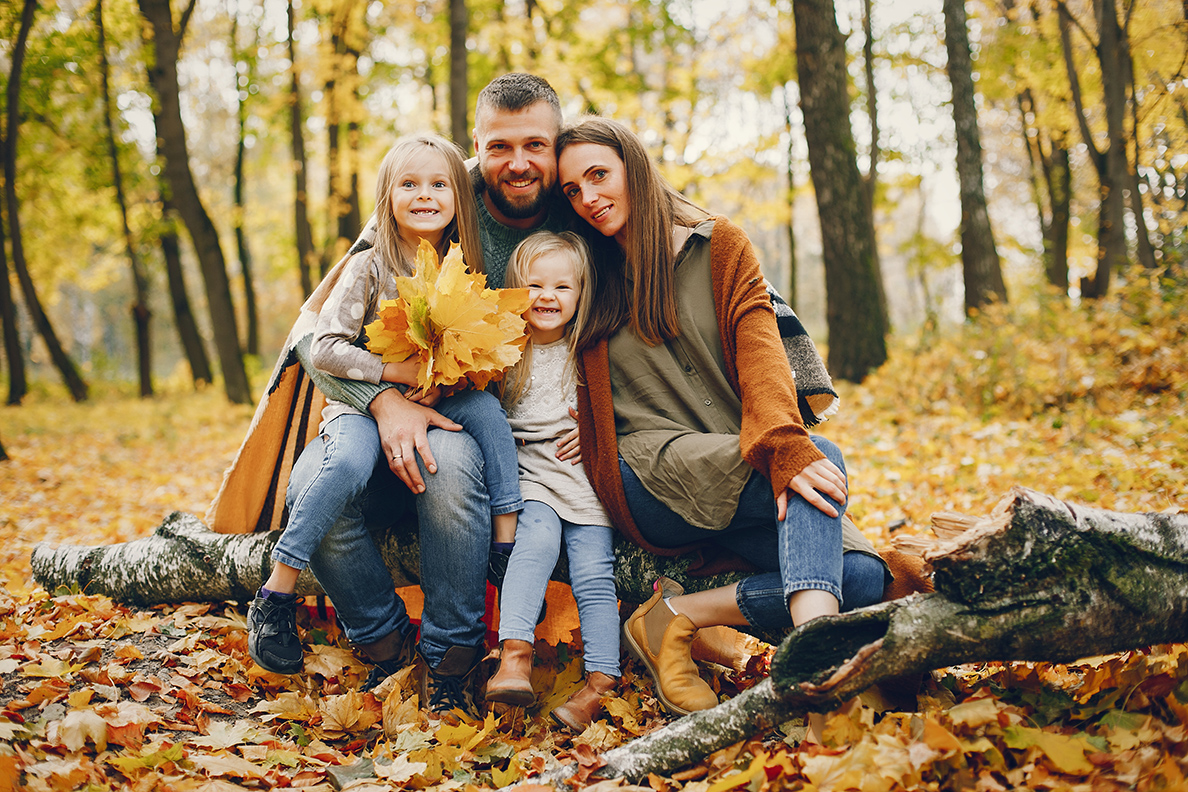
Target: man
{"points": [[517, 119]]}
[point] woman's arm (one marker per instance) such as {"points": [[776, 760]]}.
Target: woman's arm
{"points": [[773, 438]]}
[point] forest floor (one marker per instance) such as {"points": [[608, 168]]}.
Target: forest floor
{"points": [[1086, 405]]}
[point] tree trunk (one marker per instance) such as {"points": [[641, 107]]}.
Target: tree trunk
{"points": [[856, 319], [62, 361], [141, 315], [459, 82], [334, 204], [241, 244], [1039, 580], [1146, 253], [183, 315], [350, 223], [1056, 239], [790, 176], [871, 179], [17, 384], [3, 453], [1110, 163], [305, 246], [171, 135], [980, 265]]}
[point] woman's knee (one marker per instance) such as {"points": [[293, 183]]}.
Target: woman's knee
{"points": [[830, 450]]}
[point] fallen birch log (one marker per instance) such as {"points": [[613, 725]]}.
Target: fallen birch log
{"points": [[1037, 580], [184, 561]]}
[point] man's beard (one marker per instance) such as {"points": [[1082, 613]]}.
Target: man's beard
{"points": [[521, 209]]}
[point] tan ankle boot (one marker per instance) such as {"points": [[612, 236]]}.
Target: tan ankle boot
{"points": [[512, 683], [722, 645], [584, 705], [662, 641]]}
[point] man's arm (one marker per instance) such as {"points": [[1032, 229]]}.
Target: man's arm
{"points": [[403, 425]]}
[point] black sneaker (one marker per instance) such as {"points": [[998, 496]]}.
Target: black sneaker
{"points": [[446, 688], [272, 634]]}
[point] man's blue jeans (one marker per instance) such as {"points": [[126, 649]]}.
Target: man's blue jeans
{"points": [[454, 523], [591, 573], [802, 552]]}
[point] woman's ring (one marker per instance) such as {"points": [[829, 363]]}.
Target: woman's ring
{"points": [[397, 456]]}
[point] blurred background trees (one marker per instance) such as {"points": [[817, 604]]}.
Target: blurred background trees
{"points": [[203, 162]]}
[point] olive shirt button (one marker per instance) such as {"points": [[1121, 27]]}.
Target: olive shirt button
{"points": [[708, 402]]}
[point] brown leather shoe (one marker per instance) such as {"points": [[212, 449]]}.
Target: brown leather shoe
{"points": [[584, 705], [662, 641], [512, 683], [722, 645]]}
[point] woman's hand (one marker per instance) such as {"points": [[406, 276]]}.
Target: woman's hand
{"points": [[821, 476], [569, 446]]}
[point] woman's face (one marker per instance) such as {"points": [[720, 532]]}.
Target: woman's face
{"points": [[594, 180]]}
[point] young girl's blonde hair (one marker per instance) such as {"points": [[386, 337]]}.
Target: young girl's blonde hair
{"points": [[463, 229], [515, 381]]}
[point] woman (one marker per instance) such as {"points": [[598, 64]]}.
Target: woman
{"points": [[690, 433]]}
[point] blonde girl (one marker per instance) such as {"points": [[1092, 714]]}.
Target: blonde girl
{"points": [[423, 192], [540, 395]]}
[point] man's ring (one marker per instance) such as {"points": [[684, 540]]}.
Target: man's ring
{"points": [[397, 456]]}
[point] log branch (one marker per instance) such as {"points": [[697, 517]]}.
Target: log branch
{"points": [[1038, 580]]}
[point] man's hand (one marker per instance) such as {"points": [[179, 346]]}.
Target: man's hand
{"points": [[403, 426], [821, 476], [569, 447]]}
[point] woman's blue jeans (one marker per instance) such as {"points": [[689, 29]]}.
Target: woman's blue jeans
{"points": [[804, 551], [539, 532]]}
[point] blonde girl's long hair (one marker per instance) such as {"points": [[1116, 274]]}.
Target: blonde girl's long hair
{"points": [[463, 229], [515, 382], [636, 284]]}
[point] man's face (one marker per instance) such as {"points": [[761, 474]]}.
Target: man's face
{"points": [[517, 161]]}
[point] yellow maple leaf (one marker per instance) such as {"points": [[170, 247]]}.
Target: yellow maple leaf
{"points": [[450, 323]]}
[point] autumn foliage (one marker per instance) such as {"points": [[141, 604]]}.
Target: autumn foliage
{"points": [[1084, 402], [450, 323]]}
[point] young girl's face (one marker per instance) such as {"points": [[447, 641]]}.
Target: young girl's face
{"points": [[554, 287], [423, 200]]}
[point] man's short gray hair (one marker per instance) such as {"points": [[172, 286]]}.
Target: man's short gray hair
{"points": [[515, 92]]}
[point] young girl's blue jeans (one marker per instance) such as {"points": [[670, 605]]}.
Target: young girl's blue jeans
{"points": [[350, 452], [591, 574], [484, 418], [804, 551]]}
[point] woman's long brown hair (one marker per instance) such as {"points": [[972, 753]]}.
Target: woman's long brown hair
{"points": [[635, 284]]}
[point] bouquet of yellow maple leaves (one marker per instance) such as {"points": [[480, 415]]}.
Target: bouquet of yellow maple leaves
{"points": [[450, 322]]}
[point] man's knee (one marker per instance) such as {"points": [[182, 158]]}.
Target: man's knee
{"points": [[459, 462]]}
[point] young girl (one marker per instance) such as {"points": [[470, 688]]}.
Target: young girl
{"points": [[539, 393], [423, 192]]}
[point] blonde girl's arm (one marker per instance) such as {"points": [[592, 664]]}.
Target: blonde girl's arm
{"points": [[340, 323]]}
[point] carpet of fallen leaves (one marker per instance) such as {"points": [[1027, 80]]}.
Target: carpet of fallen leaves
{"points": [[1087, 404]]}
